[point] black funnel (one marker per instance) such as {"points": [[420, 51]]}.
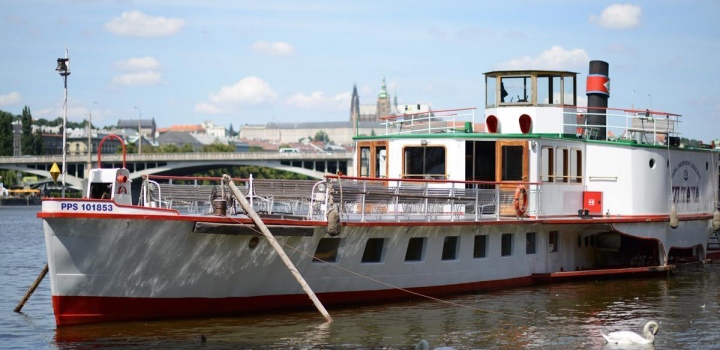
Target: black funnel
{"points": [[598, 92]]}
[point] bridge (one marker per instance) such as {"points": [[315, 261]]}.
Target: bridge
{"points": [[313, 165]]}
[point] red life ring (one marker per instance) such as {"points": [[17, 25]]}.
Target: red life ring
{"points": [[122, 190], [520, 195]]}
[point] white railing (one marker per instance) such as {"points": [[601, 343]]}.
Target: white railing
{"points": [[445, 121], [645, 127], [356, 199]]}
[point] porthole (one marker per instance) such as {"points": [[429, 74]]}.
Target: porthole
{"points": [[253, 242], [652, 163]]}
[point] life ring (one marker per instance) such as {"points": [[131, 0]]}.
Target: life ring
{"points": [[122, 190], [520, 195]]}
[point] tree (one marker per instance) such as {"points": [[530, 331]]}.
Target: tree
{"points": [[231, 131], [321, 136], [218, 147], [6, 134], [27, 139], [38, 143]]}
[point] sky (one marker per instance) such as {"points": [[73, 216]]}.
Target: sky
{"points": [[254, 62]]}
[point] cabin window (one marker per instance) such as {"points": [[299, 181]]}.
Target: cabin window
{"points": [[450, 246], [530, 243], [506, 244], [424, 162], [547, 162], [490, 91], [553, 242], [100, 190], [516, 89], [415, 249], [512, 163], [380, 161], [326, 250], [563, 165], [480, 249], [569, 90], [365, 161], [576, 168], [373, 250]]}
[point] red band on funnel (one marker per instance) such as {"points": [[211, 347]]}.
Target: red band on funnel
{"points": [[598, 84]]}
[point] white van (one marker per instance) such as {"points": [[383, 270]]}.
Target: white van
{"points": [[289, 150]]}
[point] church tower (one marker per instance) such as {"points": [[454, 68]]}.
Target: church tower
{"points": [[383, 102], [355, 106]]}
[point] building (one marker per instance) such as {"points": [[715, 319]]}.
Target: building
{"points": [[339, 132], [382, 108], [145, 127]]}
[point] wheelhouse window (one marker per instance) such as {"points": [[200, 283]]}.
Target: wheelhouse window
{"points": [[424, 162], [415, 249], [569, 90], [547, 159], [549, 90], [450, 247], [516, 89], [480, 247], [490, 91], [506, 244]]}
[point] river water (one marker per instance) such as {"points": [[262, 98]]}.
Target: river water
{"points": [[556, 316]]}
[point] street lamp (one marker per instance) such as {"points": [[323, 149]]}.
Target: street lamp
{"points": [[63, 68], [89, 145], [139, 126]]}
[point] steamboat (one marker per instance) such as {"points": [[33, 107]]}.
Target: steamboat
{"points": [[534, 189]]}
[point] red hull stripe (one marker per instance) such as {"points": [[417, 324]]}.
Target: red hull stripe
{"points": [[598, 84], [70, 310]]}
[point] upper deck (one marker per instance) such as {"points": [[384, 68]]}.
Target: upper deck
{"points": [[541, 103]]}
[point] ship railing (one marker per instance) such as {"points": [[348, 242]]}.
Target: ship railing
{"points": [[430, 122], [355, 198], [372, 199], [629, 125], [300, 198]]}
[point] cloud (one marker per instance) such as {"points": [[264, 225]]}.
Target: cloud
{"points": [[139, 25], [318, 100], [277, 48], [556, 58], [619, 17], [138, 63], [207, 108], [247, 91], [10, 99], [138, 78]]}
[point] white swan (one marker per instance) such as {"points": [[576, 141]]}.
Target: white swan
{"points": [[424, 345], [628, 337]]}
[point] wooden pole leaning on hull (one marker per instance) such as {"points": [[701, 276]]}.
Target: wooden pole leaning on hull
{"points": [[32, 289], [266, 232]]}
